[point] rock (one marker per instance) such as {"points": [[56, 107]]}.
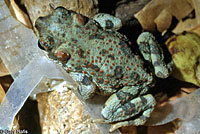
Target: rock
{"points": [[126, 9], [63, 113]]}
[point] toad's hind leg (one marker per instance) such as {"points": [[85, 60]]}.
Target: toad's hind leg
{"points": [[152, 52], [141, 120], [125, 104]]}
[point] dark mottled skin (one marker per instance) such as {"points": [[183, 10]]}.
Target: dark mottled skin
{"points": [[83, 46]]}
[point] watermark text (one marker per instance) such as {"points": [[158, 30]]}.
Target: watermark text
{"points": [[23, 131]]}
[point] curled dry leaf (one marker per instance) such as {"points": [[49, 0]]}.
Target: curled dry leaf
{"points": [[18, 13], [190, 24], [158, 13], [2, 93], [3, 70], [37, 8]]}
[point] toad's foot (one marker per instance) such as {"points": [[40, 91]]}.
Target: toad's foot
{"points": [[87, 88], [141, 106], [124, 105], [141, 120], [108, 22]]}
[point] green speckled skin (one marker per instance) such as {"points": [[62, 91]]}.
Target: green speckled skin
{"points": [[104, 60]]}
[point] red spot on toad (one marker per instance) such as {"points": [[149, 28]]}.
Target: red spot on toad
{"points": [[125, 84], [108, 75], [92, 73], [84, 72], [90, 65], [117, 86], [101, 71], [106, 81], [96, 69]]}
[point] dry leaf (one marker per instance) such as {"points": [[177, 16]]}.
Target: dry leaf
{"points": [[2, 93], [18, 13], [168, 128], [185, 51], [128, 130], [37, 8], [158, 13], [3, 69]]}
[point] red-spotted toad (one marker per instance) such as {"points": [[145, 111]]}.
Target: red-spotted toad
{"points": [[102, 62]]}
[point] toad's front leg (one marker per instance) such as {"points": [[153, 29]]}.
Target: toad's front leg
{"points": [[125, 104], [152, 52]]}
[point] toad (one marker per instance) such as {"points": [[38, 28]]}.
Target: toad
{"points": [[102, 62]]}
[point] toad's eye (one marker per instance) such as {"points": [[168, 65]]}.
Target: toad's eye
{"points": [[44, 46], [40, 45]]}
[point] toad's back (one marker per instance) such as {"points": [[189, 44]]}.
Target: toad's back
{"points": [[104, 55]]}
